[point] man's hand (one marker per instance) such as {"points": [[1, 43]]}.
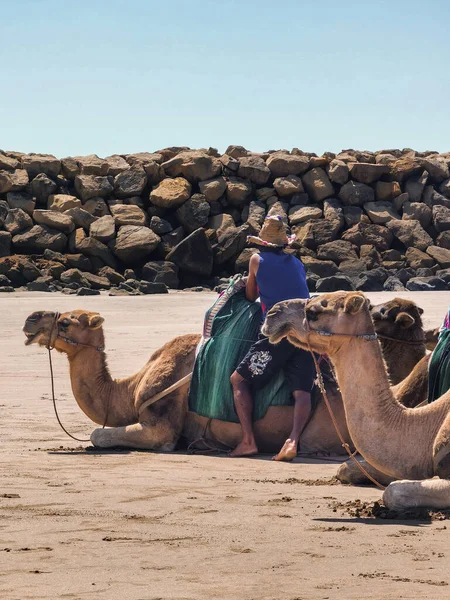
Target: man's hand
{"points": [[251, 289]]}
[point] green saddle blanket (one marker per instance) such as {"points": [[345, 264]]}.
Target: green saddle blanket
{"points": [[232, 330], [439, 368]]}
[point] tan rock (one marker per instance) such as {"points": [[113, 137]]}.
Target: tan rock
{"points": [[55, 220], [171, 193], [62, 202], [125, 214]]}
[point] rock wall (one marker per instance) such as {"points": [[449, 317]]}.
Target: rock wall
{"points": [[179, 218]]}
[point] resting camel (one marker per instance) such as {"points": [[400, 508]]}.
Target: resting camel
{"points": [[79, 334], [403, 443]]}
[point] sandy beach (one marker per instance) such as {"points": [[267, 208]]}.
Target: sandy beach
{"points": [[145, 526]]}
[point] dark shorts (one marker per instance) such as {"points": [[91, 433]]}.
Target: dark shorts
{"points": [[264, 360]]}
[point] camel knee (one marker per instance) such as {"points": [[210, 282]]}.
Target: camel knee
{"points": [[442, 462], [101, 438]]}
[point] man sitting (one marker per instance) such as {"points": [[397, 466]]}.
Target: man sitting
{"points": [[274, 276]]}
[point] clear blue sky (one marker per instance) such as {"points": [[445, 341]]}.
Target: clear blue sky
{"points": [[126, 76]]}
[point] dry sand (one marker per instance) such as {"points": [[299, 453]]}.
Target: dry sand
{"points": [[144, 526]]}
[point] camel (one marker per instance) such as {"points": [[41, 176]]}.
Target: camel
{"points": [[410, 445], [116, 403]]}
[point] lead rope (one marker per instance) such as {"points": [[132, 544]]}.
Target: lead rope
{"points": [[54, 400], [330, 410], [50, 348]]}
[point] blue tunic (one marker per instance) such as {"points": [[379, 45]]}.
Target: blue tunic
{"points": [[280, 276]]}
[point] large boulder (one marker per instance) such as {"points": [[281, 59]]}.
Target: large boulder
{"points": [[367, 172], [161, 271], [81, 217], [354, 215], [5, 243], [39, 238], [116, 164], [231, 243], [322, 268], [426, 284], [97, 207], [130, 183], [354, 193], [193, 165], [103, 229], [410, 233], [441, 218], [415, 186], [282, 164], [170, 240], [317, 184], [42, 187], [62, 202], [335, 283], [337, 251], [437, 167], [171, 193], [375, 235], [7, 163], [416, 259], [371, 281], [194, 254], [443, 240], [126, 214], [134, 243], [91, 165], [13, 181], [301, 214], [193, 213], [380, 212], [41, 163], [91, 247], [254, 169], [92, 186], [21, 200], [417, 211], [221, 224], [19, 269], [387, 190], [287, 186], [338, 171], [238, 191], [213, 189], [54, 220], [440, 255], [17, 220], [315, 233]]}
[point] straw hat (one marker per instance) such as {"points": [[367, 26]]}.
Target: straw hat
{"points": [[272, 234]]}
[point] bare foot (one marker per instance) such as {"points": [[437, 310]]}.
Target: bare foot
{"points": [[244, 449], [288, 451]]}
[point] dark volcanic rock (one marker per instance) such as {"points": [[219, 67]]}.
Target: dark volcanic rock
{"points": [[39, 238], [334, 283], [194, 254]]}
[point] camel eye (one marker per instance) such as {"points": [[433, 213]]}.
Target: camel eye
{"points": [[324, 303], [65, 322]]}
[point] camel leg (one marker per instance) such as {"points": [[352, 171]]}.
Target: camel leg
{"points": [[161, 437], [441, 451], [348, 472], [429, 493]]}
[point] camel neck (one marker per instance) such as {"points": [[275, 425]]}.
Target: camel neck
{"points": [[98, 395], [383, 431], [400, 358]]}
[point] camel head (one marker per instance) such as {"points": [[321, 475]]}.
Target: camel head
{"points": [[337, 312], [53, 329], [398, 318]]}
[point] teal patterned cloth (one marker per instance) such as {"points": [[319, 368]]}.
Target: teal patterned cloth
{"points": [[233, 329]]}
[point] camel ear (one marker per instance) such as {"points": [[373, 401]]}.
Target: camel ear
{"points": [[95, 321], [404, 320], [354, 303]]}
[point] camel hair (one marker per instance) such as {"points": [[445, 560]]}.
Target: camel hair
{"points": [[116, 402], [411, 445]]}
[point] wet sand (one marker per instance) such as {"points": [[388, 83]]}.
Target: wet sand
{"points": [[146, 526]]}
